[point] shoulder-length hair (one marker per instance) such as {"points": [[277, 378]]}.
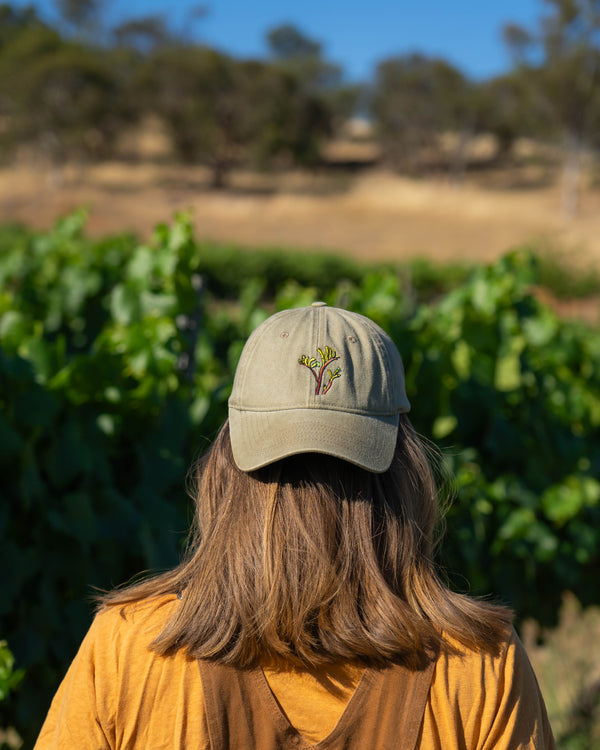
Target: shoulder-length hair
{"points": [[315, 560]]}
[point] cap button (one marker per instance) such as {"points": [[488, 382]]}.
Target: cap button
{"points": [[319, 304]]}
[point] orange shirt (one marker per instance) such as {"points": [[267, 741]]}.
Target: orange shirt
{"points": [[119, 695]]}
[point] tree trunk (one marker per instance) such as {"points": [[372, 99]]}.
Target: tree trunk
{"points": [[219, 172], [458, 162], [571, 176]]}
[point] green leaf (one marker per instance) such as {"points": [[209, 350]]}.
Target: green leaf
{"points": [[483, 300], [14, 326], [540, 329], [9, 677], [72, 225], [141, 264], [517, 525], [507, 376], [461, 359], [443, 426], [125, 304], [106, 423], [565, 501]]}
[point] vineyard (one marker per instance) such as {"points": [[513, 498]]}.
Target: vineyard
{"points": [[116, 362]]}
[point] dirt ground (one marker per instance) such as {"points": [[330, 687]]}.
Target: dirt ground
{"points": [[369, 213], [375, 214]]}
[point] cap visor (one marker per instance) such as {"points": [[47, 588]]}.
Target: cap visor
{"points": [[260, 438]]}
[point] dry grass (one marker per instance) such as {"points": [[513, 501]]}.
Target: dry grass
{"points": [[567, 665], [368, 213], [10, 739], [372, 214]]}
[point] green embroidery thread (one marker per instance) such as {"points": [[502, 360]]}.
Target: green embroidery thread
{"points": [[328, 355]]}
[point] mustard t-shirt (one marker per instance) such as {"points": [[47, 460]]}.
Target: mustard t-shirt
{"points": [[119, 695]]}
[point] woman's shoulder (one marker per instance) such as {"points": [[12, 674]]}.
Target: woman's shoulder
{"points": [[493, 655], [136, 613], [134, 624], [492, 674], [490, 695], [459, 663]]}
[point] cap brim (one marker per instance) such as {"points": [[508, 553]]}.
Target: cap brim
{"points": [[260, 438]]}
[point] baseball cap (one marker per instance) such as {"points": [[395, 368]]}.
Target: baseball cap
{"points": [[317, 379]]}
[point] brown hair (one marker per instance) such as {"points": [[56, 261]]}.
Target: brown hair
{"points": [[315, 560]]}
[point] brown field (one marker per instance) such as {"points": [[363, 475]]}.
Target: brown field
{"points": [[368, 212]]}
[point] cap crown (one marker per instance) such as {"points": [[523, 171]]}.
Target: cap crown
{"points": [[320, 357]]}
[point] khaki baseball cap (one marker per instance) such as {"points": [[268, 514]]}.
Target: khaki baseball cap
{"points": [[317, 379]]}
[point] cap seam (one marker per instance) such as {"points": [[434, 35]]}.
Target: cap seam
{"points": [[311, 398], [383, 352], [346, 410]]}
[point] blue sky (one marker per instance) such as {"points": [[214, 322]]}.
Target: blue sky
{"points": [[356, 34]]}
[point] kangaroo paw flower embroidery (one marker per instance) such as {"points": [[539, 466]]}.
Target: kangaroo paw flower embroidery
{"points": [[332, 376], [327, 355]]}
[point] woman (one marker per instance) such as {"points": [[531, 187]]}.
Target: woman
{"points": [[308, 610]]}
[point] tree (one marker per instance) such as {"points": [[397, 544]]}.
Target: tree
{"points": [[508, 108], [13, 20], [60, 96], [80, 15], [287, 124], [198, 94], [291, 50], [561, 59], [286, 42], [414, 100], [221, 112], [320, 80], [142, 34], [145, 33]]}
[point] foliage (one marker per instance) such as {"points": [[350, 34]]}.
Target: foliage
{"points": [[559, 62], [116, 362], [142, 34], [198, 93], [558, 275], [222, 112], [509, 107], [9, 677], [286, 42], [563, 56], [70, 97], [78, 13], [64, 97], [415, 100], [513, 394], [68, 89], [288, 120], [321, 81], [13, 20]]}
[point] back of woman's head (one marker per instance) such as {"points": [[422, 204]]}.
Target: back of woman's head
{"points": [[315, 511], [312, 557]]}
